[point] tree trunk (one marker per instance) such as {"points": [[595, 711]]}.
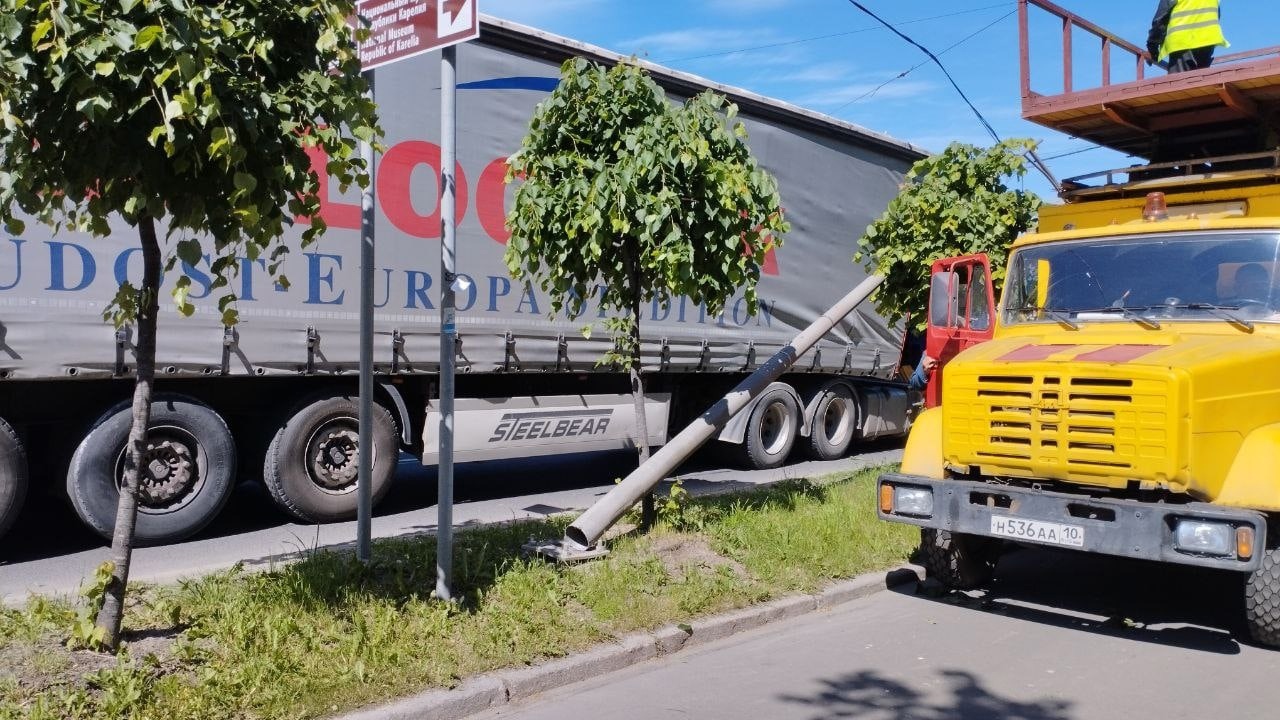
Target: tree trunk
{"points": [[647, 511], [109, 616]]}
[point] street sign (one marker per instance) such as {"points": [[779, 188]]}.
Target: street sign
{"points": [[400, 29]]}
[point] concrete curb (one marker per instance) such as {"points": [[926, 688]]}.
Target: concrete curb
{"points": [[504, 686]]}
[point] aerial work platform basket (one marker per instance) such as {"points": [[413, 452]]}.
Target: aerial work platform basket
{"points": [[1230, 108]]}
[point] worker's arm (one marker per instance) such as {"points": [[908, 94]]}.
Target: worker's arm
{"points": [[920, 378], [1159, 27]]}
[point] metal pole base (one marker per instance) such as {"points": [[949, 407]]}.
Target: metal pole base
{"points": [[562, 551]]}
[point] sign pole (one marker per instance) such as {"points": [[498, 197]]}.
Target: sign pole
{"points": [[364, 482], [448, 319], [398, 31]]}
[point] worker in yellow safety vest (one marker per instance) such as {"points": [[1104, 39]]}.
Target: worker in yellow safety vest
{"points": [[1184, 34]]}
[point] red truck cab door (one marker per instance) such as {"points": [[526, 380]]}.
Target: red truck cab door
{"points": [[961, 313]]}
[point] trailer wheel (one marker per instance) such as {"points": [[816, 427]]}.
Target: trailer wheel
{"points": [[13, 476], [834, 421], [1262, 600], [187, 475], [312, 464], [771, 430], [957, 560]]}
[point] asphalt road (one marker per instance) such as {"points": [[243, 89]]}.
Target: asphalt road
{"points": [[1060, 636], [49, 552]]}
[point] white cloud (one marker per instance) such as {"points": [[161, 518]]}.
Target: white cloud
{"points": [[540, 13], [821, 73], [839, 95], [695, 40]]}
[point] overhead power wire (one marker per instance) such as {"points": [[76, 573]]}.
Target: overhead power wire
{"points": [[1073, 152], [786, 43], [1031, 154], [919, 65]]}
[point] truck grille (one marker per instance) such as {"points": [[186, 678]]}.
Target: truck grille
{"points": [[1058, 426]]}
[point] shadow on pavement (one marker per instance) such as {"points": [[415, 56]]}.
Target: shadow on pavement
{"points": [[1177, 606], [870, 694]]}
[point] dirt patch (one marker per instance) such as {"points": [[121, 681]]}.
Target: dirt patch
{"points": [[678, 552], [619, 530], [34, 667], [37, 666]]}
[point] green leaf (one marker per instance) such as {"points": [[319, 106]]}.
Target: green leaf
{"points": [[164, 74], [106, 69], [41, 29], [187, 66], [188, 251], [147, 36], [245, 181], [10, 28], [180, 293]]}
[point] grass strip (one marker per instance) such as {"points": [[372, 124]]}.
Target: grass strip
{"points": [[328, 633]]}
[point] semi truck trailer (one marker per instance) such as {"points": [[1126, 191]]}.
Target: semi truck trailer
{"points": [[273, 398]]}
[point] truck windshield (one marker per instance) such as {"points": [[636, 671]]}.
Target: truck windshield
{"points": [[1209, 277]]}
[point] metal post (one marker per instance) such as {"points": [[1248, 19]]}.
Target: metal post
{"points": [[1024, 56], [364, 482], [448, 321]]}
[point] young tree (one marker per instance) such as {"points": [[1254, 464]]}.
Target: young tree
{"points": [[629, 197], [188, 120], [954, 203]]}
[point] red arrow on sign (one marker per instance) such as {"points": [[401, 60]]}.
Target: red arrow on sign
{"points": [[454, 8]]}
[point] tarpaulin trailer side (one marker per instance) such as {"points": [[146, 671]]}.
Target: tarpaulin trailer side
{"points": [[529, 383]]}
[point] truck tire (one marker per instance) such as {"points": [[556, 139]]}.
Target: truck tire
{"points": [[187, 477], [1262, 600], [771, 430], [958, 561], [835, 419], [13, 476], [312, 463]]}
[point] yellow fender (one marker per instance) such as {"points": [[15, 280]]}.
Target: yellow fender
{"points": [[1253, 481], [923, 455]]}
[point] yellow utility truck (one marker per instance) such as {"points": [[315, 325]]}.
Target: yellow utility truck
{"points": [[1127, 402]]}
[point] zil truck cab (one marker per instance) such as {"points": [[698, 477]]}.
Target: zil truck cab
{"points": [[1123, 398]]}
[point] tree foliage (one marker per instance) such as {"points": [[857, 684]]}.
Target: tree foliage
{"points": [[194, 116], [631, 197], [954, 203], [194, 113]]}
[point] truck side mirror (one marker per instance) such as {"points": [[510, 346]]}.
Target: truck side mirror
{"points": [[944, 299]]}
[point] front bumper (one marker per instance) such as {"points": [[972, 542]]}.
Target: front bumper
{"points": [[1126, 528]]}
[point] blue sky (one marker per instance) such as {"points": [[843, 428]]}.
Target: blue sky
{"points": [[828, 56]]}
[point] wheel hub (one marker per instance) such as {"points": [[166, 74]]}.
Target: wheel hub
{"points": [[834, 421], [774, 427], [334, 464], [167, 472]]}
